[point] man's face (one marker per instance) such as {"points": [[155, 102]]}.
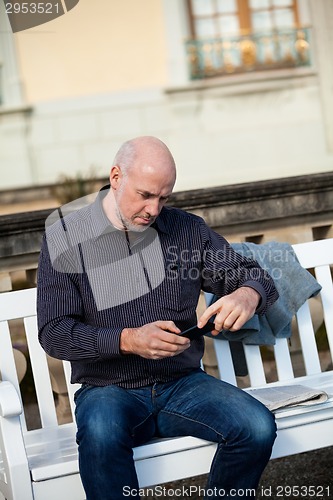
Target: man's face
{"points": [[141, 195]]}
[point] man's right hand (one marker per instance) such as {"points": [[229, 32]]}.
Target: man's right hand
{"points": [[153, 341]]}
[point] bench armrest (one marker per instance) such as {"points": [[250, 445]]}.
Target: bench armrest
{"points": [[15, 467], [10, 404]]}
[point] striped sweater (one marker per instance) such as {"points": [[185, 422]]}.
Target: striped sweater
{"points": [[94, 281]]}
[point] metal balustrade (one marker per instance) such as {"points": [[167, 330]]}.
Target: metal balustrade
{"points": [[288, 48]]}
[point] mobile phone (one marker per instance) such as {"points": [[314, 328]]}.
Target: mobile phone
{"points": [[195, 332]]}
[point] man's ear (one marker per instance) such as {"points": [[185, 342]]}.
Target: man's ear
{"points": [[115, 177]]}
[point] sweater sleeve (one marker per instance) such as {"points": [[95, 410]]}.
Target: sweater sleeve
{"points": [[62, 332], [224, 271]]}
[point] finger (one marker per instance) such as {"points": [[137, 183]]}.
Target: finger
{"points": [[229, 321], [161, 354], [175, 339], [168, 326], [209, 312], [166, 350], [239, 323]]}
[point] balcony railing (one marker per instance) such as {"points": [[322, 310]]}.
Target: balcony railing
{"points": [[287, 48]]}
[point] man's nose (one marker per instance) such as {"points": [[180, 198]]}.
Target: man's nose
{"points": [[153, 207]]}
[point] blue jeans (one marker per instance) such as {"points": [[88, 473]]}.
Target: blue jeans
{"points": [[111, 421]]}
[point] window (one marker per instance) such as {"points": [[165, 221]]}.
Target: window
{"points": [[218, 18], [229, 36]]}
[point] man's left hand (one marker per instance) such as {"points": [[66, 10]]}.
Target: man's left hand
{"points": [[232, 310]]}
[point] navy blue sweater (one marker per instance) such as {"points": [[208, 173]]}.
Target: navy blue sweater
{"points": [[94, 281]]}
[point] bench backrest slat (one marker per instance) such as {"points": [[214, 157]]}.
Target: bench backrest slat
{"points": [[284, 365], [324, 276], [224, 362], [71, 388], [317, 253], [254, 365], [308, 340], [20, 304], [41, 376]]}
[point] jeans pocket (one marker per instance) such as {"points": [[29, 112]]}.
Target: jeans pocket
{"points": [[82, 390]]}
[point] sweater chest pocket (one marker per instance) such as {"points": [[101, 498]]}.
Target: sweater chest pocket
{"points": [[183, 282]]}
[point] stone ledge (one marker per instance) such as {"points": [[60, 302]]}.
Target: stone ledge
{"points": [[282, 202]]}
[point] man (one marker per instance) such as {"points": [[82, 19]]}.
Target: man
{"points": [[118, 281]]}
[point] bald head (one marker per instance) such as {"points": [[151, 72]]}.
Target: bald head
{"points": [[145, 150]]}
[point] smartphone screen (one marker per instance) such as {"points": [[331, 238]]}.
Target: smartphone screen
{"points": [[195, 333]]}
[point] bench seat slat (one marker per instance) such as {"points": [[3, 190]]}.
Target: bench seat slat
{"points": [[46, 462], [292, 440], [52, 458]]}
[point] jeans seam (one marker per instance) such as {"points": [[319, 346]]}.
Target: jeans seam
{"points": [[197, 422], [141, 423]]}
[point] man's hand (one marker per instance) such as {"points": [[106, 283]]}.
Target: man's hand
{"points": [[232, 310], [153, 341]]}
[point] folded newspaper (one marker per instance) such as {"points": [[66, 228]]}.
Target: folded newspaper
{"points": [[288, 396]]}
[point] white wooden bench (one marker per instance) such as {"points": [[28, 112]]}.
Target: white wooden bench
{"points": [[43, 463]]}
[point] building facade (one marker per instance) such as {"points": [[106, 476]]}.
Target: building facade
{"points": [[240, 90]]}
